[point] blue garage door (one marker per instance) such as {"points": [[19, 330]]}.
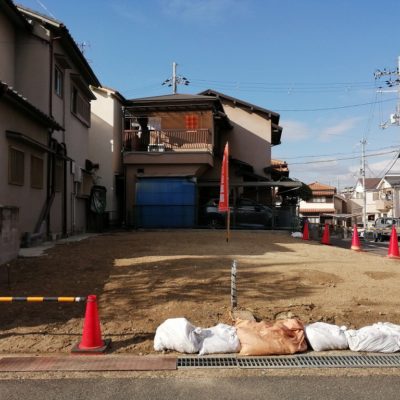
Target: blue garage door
{"points": [[165, 203]]}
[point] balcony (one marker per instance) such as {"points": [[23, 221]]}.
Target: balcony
{"points": [[167, 140]]}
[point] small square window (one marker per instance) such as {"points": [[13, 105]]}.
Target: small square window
{"points": [[16, 167]]}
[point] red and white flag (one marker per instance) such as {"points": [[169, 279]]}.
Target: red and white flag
{"points": [[224, 188]]}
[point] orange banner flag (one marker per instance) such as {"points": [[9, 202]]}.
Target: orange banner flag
{"points": [[224, 188]]}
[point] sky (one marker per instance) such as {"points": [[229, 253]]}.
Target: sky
{"points": [[311, 61]]}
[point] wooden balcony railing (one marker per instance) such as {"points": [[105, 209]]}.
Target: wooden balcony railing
{"points": [[167, 140]]}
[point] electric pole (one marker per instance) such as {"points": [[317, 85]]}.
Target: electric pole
{"points": [[364, 215], [175, 80], [393, 83]]}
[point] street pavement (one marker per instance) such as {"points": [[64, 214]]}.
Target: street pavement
{"points": [[237, 387]]}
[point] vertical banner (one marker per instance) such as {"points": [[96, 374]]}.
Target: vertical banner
{"points": [[223, 205]]}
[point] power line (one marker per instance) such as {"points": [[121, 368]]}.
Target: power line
{"points": [[336, 154], [344, 158]]}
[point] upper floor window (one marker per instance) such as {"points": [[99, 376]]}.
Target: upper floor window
{"points": [[58, 82], [80, 107], [191, 121], [36, 172], [16, 167], [321, 199]]}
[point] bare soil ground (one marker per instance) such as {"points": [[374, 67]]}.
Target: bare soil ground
{"points": [[144, 277]]}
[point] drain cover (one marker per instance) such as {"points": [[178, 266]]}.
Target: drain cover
{"points": [[206, 362], [300, 361]]}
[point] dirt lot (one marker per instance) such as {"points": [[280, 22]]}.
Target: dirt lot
{"points": [[143, 278]]}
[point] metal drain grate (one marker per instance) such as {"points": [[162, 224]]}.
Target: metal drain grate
{"points": [[301, 361], [206, 362]]}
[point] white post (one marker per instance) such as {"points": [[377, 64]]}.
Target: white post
{"points": [[233, 285]]}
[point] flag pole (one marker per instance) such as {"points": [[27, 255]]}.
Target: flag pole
{"points": [[223, 205], [228, 224]]}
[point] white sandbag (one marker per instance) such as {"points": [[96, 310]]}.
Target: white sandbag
{"points": [[380, 337], [297, 235], [323, 336], [221, 338], [177, 334]]}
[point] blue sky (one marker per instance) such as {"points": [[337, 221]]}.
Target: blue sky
{"points": [[313, 61]]}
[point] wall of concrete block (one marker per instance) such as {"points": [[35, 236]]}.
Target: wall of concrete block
{"points": [[9, 234]]}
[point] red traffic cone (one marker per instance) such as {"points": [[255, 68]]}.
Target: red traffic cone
{"points": [[325, 235], [91, 336], [393, 244], [306, 235], [355, 242]]}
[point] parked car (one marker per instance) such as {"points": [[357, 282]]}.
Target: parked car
{"points": [[245, 213], [382, 229]]}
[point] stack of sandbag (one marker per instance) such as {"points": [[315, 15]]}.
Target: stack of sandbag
{"points": [[180, 335], [177, 334], [322, 336], [382, 337], [265, 338], [221, 338]]}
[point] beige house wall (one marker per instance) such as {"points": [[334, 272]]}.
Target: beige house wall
{"points": [[105, 144], [32, 67], [250, 138], [29, 200], [7, 51]]}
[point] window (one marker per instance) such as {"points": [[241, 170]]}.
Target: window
{"points": [[16, 167], [59, 175], [36, 172], [321, 199], [58, 82], [191, 121], [80, 107]]}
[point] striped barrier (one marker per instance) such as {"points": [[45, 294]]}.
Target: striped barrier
{"points": [[31, 299]]}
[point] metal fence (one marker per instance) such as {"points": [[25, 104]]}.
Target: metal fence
{"points": [[191, 216]]}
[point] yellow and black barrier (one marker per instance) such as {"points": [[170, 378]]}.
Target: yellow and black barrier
{"points": [[31, 299]]}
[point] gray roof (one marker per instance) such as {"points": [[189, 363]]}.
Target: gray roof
{"points": [[271, 114]]}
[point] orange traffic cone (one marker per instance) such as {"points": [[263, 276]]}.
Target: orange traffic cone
{"points": [[355, 242], [91, 336], [325, 235], [393, 244], [306, 235]]}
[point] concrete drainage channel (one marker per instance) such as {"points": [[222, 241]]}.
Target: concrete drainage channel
{"points": [[301, 361]]}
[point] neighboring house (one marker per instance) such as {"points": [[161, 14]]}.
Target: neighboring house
{"points": [[172, 154], [44, 124], [355, 201], [105, 145], [324, 204], [388, 199]]}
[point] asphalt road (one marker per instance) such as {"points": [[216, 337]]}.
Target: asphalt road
{"points": [[379, 248], [251, 388]]}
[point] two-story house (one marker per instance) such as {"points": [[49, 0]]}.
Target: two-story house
{"points": [[374, 204], [324, 204], [172, 155], [44, 123]]}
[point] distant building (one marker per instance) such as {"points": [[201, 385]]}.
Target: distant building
{"points": [[324, 204]]}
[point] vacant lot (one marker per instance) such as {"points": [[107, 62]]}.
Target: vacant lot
{"points": [[143, 278]]}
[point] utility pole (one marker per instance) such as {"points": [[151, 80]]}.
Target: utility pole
{"points": [[364, 215], [175, 80], [393, 83]]}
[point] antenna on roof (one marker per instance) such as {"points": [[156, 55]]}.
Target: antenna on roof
{"points": [[175, 80]]}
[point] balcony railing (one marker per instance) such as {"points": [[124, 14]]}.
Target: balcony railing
{"points": [[167, 140]]}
